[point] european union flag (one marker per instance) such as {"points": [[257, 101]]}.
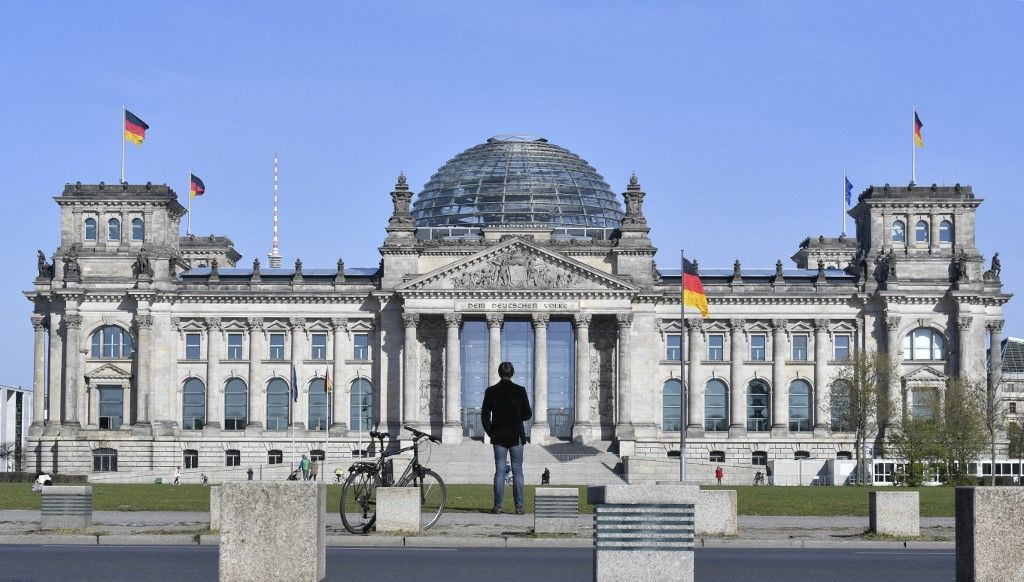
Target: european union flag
{"points": [[295, 385], [849, 190]]}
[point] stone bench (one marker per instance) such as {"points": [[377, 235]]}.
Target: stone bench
{"points": [[989, 546], [716, 512], [894, 513], [555, 510], [398, 509], [643, 532], [65, 507]]}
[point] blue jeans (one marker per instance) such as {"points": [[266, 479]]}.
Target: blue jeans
{"points": [[500, 463]]}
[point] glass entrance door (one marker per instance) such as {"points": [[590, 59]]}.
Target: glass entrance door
{"points": [[517, 347]]}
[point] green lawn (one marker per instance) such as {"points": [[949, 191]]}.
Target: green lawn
{"points": [[826, 501]]}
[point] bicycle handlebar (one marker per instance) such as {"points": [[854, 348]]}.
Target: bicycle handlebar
{"points": [[421, 434]]}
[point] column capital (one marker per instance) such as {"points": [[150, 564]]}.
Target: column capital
{"points": [[410, 319], [212, 323], [541, 319], [39, 322], [624, 319], [339, 323], [994, 325], [582, 319], [72, 321], [255, 323], [452, 319], [695, 325], [821, 324], [964, 322], [143, 320], [892, 322], [297, 323], [737, 324], [779, 325], [495, 319]]}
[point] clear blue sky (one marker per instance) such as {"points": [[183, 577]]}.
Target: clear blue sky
{"points": [[739, 118]]}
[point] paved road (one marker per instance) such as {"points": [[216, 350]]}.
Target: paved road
{"points": [[197, 563]]}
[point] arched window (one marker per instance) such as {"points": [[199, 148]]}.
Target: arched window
{"points": [[90, 229], [138, 229], [800, 406], [113, 229], [841, 406], [104, 459], [236, 404], [757, 406], [921, 231], [193, 404], [319, 405], [715, 401], [946, 231], [924, 344], [112, 343], [672, 391], [277, 404], [899, 231], [361, 405]]}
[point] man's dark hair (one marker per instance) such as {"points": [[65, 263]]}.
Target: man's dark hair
{"points": [[505, 370]]}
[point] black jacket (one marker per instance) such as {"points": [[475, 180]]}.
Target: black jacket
{"points": [[505, 407]]}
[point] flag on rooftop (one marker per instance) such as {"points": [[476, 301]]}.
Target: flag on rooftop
{"points": [[134, 128], [196, 186], [849, 191], [693, 289], [918, 140]]}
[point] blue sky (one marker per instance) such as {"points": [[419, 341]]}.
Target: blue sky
{"points": [[739, 118]]}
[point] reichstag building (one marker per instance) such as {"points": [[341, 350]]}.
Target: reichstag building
{"points": [[154, 349]]}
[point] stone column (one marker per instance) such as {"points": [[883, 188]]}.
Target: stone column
{"points": [[257, 351], [995, 353], [72, 335], [892, 329], [300, 409], [340, 394], [494, 321], [409, 400], [214, 383], [56, 365], [451, 432], [780, 391], [737, 391], [38, 371], [143, 376], [933, 236], [963, 358], [822, 417], [581, 426], [540, 432], [624, 424], [694, 404]]}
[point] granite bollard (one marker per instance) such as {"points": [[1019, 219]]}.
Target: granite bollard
{"points": [[988, 548], [555, 510], [215, 508], [398, 509], [716, 512], [643, 531], [65, 507], [273, 531], [894, 513]]}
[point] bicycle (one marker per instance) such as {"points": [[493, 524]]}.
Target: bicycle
{"points": [[758, 478], [358, 507]]}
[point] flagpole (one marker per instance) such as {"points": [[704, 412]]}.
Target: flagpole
{"points": [[188, 229], [682, 366], [843, 200], [123, 109], [913, 147]]}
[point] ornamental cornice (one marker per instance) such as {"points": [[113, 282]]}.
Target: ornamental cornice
{"points": [[760, 300], [517, 294], [282, 298]]}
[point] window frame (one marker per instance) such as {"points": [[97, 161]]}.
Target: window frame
{"points": [[898, 231], [237, 422], [668, 406], [924, 340], [717, 423], [755, 423], [716, 456], [276, 388], [803, 424], [114, 223], [361, 420], [712, 338], [275, 457], [361, 346], [322, 420], [759, 458], [945, 231], [138, 229], [193, 422], [104, 460], [240, 347], [763, 338], [190, 459], [104, 399], [232, 458], [87, 224], [836, 347], [673, 347], [280, 350], [198, 345], [922, 235], [314, 338], [103, 347], [794, 354]]}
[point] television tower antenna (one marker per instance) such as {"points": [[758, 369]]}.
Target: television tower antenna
{"points": [[274, 256]]}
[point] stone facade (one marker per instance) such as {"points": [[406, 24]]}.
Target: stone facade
{"points": [[227, 338]]}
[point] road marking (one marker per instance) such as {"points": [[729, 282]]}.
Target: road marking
{"points": [[364, 548], [908, 551]]}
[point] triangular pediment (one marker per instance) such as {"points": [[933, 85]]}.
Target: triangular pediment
{"points": [[108, 372], [925, 374], [517, 264]]}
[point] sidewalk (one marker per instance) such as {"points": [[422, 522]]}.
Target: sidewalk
{"points": [[465, 530]]}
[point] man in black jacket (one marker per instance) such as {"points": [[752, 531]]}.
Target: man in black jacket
{"points": [[505, 407]]}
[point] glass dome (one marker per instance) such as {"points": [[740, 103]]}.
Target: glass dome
{"points": [[517, 180]]}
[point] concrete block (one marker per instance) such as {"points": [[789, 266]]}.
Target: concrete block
{"points": [[895, 513], [987, 546], [398, 509], [644, 532], [273, 531], [65, 507], [716, 513], [555, 510], [215, 507]]}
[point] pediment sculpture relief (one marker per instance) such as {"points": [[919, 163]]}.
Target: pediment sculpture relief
{"points": [[517, 269]]}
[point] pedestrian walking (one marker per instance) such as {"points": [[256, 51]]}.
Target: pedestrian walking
{"points": [[337, 475], [314, 470], [768, 473], [505, 408], [304, 465], [719, 473], [177, 475]]}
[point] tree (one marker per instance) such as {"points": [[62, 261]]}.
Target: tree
{"points": [[859, 399], [987, 396], [915, 441], [1015, 435], [962, 433]]}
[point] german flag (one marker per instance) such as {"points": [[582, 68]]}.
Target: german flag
{"points": [[196, 187], [134, 128], [328, 385], [918, 141], [693, 289]]}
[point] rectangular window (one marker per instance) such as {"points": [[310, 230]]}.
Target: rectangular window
{"points": [[922, 404], [111, 407], [717, 456], [232, 458], [800, 348], [361, 346], [193, 346], [757, 343], [319, 342], [234, 346], [277, 346], [191, 457], [716, 347], [842, 348], [673, 347], [1013, 408]]}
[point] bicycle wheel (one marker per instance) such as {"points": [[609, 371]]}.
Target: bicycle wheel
{"points": [[432, 497], [358, 506]]}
